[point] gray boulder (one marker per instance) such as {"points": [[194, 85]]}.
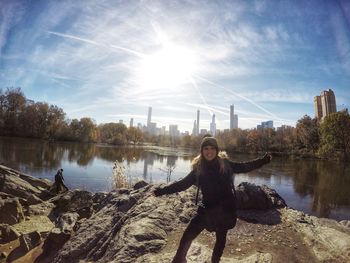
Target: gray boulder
{"points": [[66, 222], [23, 186], [65, 226], [140, 184], [127, 227], [251, 196], [11, 211], [74, 201]]}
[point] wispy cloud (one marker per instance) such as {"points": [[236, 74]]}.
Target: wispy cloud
{"points": [[340, 25], [10, 14]]}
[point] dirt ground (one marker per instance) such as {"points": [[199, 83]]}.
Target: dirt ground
{"points": [[277, 238]]}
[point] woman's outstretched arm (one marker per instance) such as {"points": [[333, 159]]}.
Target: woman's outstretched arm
{"points": [[177, 186], [245, 167]]}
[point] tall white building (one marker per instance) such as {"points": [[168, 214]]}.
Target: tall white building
{"points": [[197, 130], [173, 131], [151, 126], [235, 121], [233, 118], [232, 112], [213, 126], [149, 116], [194, 130]]}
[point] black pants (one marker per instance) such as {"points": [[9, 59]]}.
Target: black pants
{"points": [[195, 227], [59, 184]]}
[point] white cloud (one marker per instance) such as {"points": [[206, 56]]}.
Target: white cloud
{"points": [[10, 14]]}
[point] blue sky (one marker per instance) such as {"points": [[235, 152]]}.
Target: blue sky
{"points": [[111, 60]]}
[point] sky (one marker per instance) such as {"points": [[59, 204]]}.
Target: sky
{"points": [[112, 59]]}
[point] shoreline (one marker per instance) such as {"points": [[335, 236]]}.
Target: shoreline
{"points": [[186, 152]]}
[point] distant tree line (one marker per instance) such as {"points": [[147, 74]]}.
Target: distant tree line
{"points": [[25, 118], [329, 138], [310, 138]]}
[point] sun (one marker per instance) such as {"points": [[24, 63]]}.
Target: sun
{"points": [[168, 68]]}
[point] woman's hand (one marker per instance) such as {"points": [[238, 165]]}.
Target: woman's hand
{"points": [[267, 157]]}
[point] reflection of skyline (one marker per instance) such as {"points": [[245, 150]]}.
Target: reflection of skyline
{"points": [[148, 160], [171, 160], [331, 190]]}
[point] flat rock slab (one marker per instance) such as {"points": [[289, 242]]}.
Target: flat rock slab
{"points": [[42, 224]]}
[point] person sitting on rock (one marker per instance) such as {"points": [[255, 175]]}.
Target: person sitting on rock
{"points": [[59, 181], [217, 212]]}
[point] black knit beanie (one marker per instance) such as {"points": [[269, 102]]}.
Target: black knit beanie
{"points": [[209, 141]]}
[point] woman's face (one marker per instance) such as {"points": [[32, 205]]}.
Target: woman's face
{"points": [[209, 153]]}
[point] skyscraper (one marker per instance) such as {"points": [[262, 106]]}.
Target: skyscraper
{"points": [[232, 113], [325, 104], [194, 130], [131, 122], [318, 107], [197, 130], [213, 126], [233, 118], [235, 121], [173, 131], [149, 117]]}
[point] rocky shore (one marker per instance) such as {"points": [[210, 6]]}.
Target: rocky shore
{"points": [[132, 225]]}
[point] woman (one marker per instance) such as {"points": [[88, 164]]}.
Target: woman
{"points": [[217, 211]]}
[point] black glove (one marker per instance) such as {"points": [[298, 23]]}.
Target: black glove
{"points": [[267, 158], [158, 191]]}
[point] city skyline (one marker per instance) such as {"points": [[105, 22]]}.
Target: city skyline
{"points": [[112, 60]]}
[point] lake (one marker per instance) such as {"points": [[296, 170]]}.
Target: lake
{"points": [[317, 187]]}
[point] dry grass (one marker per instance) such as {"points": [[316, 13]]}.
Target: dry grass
{"points": [[119, 178]]}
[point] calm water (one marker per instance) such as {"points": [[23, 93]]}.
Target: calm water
{"points": [[316, 187]]}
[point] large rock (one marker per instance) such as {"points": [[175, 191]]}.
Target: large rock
{"points": [[140, 184], [35, 182], [97, 200], [66, 222], [20, 185], [74, 201], [11, 211], [127, 227], [251, 196], [44, 208], [39, 223], [329, 240]]}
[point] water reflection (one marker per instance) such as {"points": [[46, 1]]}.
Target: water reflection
{"points": [[316, 187], [331, 189]]}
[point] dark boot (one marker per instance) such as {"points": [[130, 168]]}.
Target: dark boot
{"points": [[219, 246], [191, 232]]}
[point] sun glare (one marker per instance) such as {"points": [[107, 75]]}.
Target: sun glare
{"points": [[168, 68]]}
